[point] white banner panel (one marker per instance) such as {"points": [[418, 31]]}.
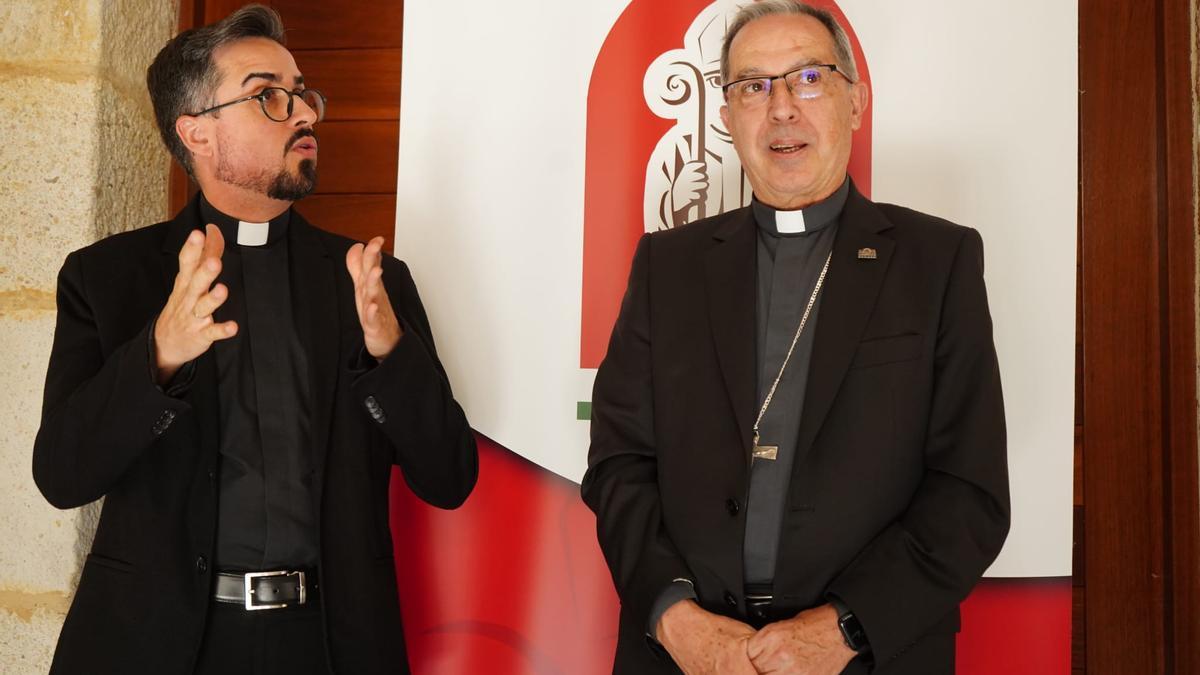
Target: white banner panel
{"points": [[974, 119]]}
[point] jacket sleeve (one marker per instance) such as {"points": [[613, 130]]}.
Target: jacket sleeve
{"points": [[918, 570], [100, 412], [621, 483], [408, 395]]}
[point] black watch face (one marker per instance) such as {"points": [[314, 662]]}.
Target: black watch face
{"points": [[852, 632]]}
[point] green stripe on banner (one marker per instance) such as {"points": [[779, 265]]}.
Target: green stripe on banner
{"points": [[583, 411]]}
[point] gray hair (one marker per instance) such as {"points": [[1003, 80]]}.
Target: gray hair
{"points": [[183, 78], [842, 50]]}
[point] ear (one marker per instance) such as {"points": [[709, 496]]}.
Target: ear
{"points": [[197, 135], [725, 118], [859, 95]]}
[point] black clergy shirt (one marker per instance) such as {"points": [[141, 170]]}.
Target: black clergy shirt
{"points": [[267, 510], [788, 267]]}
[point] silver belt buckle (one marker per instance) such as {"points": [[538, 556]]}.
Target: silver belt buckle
{"points": [[250, 599]]}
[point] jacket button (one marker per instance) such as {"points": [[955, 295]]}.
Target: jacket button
{"points": [[732, 506], [730, 600], [201, 565]]}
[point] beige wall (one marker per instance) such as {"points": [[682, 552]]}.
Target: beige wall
{"points": [[79, 159]]}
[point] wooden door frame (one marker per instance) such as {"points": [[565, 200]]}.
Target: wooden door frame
{"points": [[1138, 223]]}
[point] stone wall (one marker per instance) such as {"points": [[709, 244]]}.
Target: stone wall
{"points": [[79, 159]]}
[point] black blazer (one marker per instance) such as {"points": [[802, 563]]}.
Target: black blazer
{"points": [[899, 495], [108, 431]]}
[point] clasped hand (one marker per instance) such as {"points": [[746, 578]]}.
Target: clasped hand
{"points": [[704, 643]]}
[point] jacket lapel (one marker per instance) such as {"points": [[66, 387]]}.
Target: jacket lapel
{"points": [[851, 288], [314, 283], [729, 275]]}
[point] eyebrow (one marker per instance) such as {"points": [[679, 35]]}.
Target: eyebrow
{"points": [[756, 72], [271, 77]]}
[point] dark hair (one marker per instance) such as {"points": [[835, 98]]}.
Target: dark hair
{"points": [[183, 78], [842, 50]]}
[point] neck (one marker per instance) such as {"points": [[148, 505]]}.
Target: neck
{"points": [[795, 202], [242, 204]]}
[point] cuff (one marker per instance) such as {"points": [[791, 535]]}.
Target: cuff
{"points": [[181, 381], [679, 590]]}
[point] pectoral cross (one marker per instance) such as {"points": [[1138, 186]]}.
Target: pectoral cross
{"points": [[763, 451]]}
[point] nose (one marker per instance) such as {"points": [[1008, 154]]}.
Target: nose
{"points": [[781, 104], [302, 113]]}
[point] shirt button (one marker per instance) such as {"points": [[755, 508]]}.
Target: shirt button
{"points": [[730, 600], [201, 565], [732, 506]]}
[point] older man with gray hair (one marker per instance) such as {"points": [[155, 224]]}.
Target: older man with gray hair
{"points": [[798, 459]]}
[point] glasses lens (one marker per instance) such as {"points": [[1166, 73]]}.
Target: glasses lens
{"points": [[275, 103], [806, 82], [315, 100], [753, 92]]}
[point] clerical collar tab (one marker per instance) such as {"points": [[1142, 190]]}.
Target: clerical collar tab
{"points": [[790, 222], [252, 234]]}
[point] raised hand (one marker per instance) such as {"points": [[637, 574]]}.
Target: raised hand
{"points": [[185, 328], [808, 644], [381, 329]]}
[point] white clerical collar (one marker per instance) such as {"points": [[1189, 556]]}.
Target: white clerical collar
{"points": [[252, 234], [789, 222]]}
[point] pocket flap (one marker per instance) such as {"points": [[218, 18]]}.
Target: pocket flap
{"points": [[883, 350]]}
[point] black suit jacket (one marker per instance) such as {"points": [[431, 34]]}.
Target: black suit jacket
{"points": [[108, 431], [899, 495]]}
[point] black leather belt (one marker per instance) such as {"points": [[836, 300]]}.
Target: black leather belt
{"points": [[759, 605], [266, 590]]}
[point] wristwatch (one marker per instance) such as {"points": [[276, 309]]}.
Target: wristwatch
{"points": [[852, 632]]}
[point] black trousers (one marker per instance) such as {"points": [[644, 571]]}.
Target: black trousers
{"points": [[285, 641]]}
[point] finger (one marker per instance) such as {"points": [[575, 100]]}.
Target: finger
{"points": [[754, 646], [214, 241], [761, 643], [189, 256], [210, 301], [354, 262], [203, 278], [371, 255], [220, 331], [374, 283]]}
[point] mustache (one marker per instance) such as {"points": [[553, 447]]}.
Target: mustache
{"points": [[297, 137]]}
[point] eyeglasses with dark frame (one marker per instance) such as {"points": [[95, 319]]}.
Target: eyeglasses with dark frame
{"points": [[805, 82], [278, 103]]}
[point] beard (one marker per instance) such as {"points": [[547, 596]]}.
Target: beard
{"points": [[283, 185], [294, 187]]}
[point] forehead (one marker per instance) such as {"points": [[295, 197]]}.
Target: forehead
{"points": [[780, 41], [240, 58]]}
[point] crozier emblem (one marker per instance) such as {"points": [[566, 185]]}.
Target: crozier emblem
{"points": [[693, 172]]}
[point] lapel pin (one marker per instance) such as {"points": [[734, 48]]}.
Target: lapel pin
{"points": [[867, 254]]}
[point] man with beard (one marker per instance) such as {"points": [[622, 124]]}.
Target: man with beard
{"points": [[798, 458], [237, 384]]}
